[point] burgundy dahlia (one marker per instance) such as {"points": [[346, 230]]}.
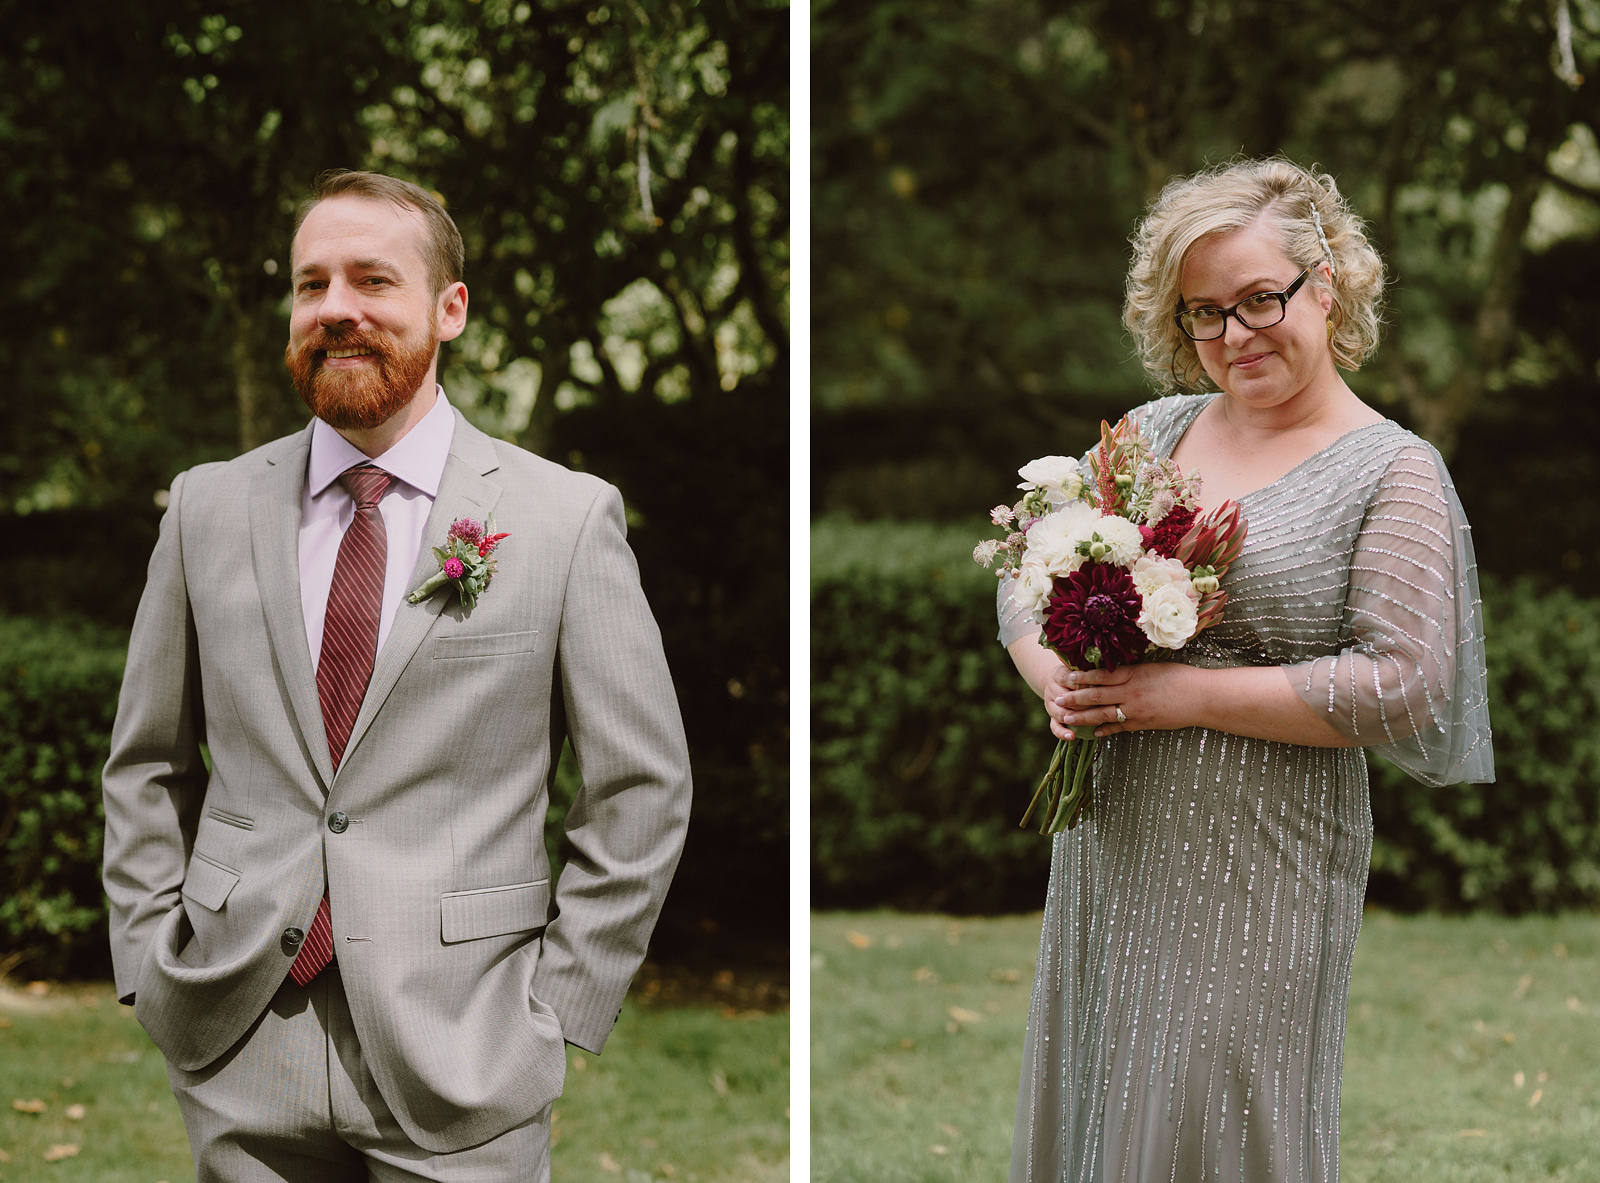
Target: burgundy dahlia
{"points": [[1096, 607], [1169, 531], [454, 568]]}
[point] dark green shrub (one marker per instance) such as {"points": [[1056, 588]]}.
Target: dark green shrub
{"points": [[58, 697], [1531, 840], [923, 736], [926, 743]]}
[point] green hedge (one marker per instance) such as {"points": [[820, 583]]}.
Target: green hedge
{"points": [[925, 743], [58, 696]]}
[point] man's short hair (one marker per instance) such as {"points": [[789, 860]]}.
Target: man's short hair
{"points": [[443, 251]]}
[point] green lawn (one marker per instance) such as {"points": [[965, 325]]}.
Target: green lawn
{"points": [[1473, 1051], [682, 1094]]}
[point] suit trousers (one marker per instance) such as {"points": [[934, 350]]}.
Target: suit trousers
{"points": [[293, 1101]]}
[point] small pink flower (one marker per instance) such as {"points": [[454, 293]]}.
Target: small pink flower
{"points": [[1002, 515], [466, 530], [454, 568]]}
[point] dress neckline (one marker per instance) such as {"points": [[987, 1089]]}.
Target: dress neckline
{"points": [[1185, 425]]}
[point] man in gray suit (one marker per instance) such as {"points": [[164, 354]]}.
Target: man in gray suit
{"points": [[341, 936]]}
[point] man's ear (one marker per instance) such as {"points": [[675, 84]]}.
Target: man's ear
{"points": [[450, 311]]}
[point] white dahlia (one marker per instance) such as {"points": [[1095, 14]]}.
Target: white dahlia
{"points": [[1122, 536], [1053, 539]]}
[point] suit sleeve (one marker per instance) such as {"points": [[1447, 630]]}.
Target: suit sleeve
{"points": [[627, 823], [154, 780]]}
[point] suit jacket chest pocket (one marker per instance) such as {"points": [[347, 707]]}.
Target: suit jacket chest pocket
{"points": [[485, 645]]}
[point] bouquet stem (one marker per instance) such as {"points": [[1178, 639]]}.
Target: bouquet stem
{"points": [[1064, 788]]}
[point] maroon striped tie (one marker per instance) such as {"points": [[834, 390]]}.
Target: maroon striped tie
{"points": [[349, 648]]}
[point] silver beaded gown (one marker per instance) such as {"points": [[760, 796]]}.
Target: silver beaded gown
{"points": [[1188, 1010]]}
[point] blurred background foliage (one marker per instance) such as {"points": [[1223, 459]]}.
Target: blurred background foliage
{"points": [[619, 172], [979, 166]]}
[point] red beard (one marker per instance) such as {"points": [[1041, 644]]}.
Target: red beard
{"points": [[358, 400]]}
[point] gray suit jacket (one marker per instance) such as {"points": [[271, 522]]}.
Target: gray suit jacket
{"points": [[462, 980]]}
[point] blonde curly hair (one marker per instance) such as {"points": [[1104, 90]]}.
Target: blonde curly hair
{"points": [[1227, 198]]}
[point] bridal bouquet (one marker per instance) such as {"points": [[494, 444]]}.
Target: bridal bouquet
{"points": [[1117, 565]]}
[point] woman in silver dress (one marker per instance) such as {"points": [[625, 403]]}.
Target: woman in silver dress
{"points": [[1189, 1007]]}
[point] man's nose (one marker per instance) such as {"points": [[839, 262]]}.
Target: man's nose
{"points": [[338, 305]]}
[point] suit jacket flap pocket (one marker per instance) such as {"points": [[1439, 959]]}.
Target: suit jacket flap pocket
{"points": [[208, 883], [487, 645], [494, 911]]}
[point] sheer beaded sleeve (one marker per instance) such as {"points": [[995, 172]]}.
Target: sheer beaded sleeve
{"points": [[1410, 678]]}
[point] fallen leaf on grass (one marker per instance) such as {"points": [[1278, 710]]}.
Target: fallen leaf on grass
{"points": [[907, 1044], [962, 1015], [950, 1129], [719, 1082], [33, 1106], [4, 1157], [1574, 1005], [937, 1149], [76, 1112], [1508, 1037], [952, 1027], [1473, 1134], [1523, 983], [859, 939], [924, 973], [4, 1022], [1004, 975], [1538, 1095], [60, 1151], [1559, 949], [38, 989], [579, 1064], [607, 1163], [1543, 1076], [668, 1170], [1518, 1081]]}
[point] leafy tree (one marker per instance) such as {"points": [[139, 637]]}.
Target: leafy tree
{"points": [[980, 165], [619, 173]]}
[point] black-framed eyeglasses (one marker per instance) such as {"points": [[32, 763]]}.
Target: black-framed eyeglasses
{"points": [[1260, 311]]}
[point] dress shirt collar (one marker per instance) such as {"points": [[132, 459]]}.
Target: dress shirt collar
{"points": [[417, 459]]}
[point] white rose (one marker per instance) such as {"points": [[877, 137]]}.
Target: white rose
{"points": [[1169, 617], [1032, 587], [1053, 539], [1123, 537], [1062, 476], [1152, 572]]}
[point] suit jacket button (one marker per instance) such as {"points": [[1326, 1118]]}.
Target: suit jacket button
{"points": [[338, 823], [292, 938]]}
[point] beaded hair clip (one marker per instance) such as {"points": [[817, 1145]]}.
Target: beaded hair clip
{"points": [[1316, 219]]}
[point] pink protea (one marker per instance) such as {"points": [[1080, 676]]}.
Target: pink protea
{"points": [[454, 568], [466, 530], [1096, 608]]}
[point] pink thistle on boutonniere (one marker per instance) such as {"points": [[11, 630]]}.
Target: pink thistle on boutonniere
{"points": [[465, 562]]}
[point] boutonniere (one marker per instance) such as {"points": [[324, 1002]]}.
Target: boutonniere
{"points": [[466, 561]]}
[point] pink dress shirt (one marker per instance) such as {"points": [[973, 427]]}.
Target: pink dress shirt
{"points": [[326, 510]]}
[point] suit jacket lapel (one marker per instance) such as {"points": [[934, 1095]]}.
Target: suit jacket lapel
{"points": [[463, 492], [275, 544]]}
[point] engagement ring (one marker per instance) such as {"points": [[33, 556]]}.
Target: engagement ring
{"points": [[1121, 718]]}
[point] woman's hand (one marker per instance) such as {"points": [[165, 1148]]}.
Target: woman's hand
{"points": [[1156, 696]]}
